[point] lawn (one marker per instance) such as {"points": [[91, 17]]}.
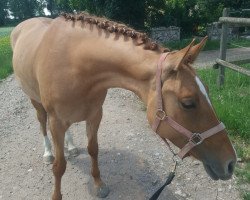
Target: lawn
{"points": [[232, 100], [5, 31], [5, 57]]}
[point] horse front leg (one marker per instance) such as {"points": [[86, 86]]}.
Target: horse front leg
{"points": [[92, 126], [58, 130]]}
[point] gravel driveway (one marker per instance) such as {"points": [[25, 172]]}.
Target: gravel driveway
{"points": [[133, 162]]}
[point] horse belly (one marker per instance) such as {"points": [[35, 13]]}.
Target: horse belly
{"points": [[75, 108]]}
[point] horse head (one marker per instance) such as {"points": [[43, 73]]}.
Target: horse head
{"points": [[187, 109]]}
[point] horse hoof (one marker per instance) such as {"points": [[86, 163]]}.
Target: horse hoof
{"points": [[48, 159], [73, 152], [102, 191]]}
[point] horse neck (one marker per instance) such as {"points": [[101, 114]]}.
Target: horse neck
{"points": [[137, 72], [127, 66]]}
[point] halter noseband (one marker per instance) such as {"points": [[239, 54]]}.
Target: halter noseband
{"points": [[194, 139]]}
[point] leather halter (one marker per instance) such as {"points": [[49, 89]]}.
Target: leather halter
{"points": [[194, 139]]}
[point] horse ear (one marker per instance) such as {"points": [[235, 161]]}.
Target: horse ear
{"points": [[182, 54], [195, 50]]}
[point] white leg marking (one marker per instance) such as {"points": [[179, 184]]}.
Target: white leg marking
{"points": [[69, 141], [47, 147], [202, 89]]}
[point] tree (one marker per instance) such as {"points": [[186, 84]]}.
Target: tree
{"points": [[51, 6], [3, 12], [129, 11], [24, 9]]}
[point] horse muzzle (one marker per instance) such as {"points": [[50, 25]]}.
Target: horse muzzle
{"points": [[220, 171]]}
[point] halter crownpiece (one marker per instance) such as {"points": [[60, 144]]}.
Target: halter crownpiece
{"points": [[194, 139]]}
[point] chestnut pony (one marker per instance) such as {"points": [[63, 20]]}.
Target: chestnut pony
{"points": [[66, 65]]}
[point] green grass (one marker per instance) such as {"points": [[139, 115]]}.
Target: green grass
{"points": [[246, 65], [5, 31], [246, 196], [5, 57], [210, 45], [232, 104], [243, 174], [5, 52]]}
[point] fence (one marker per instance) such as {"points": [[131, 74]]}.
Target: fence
{"points": [[221, 61]]}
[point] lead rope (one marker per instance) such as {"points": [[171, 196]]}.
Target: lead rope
{"points": [[171, 174], [170, 177]]}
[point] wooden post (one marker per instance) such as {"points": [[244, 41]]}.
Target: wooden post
{"points": [[223, 48], [235, 20]]}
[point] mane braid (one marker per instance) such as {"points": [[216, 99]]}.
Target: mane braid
{"points": [[114, 27]]}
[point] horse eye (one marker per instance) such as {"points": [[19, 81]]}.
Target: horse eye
{"points": [[188, 103]]}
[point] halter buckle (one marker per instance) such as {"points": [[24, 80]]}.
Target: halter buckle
{"points": [[160, 114], [196, 139]]}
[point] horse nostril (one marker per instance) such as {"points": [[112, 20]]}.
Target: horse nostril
{"points": [[231, 167]]}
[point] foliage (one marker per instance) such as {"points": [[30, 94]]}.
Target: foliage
{"points": [[24, 9], [3, 12], [191, 15], [129, 12]]}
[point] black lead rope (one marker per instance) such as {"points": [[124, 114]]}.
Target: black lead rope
{"points": [[168, 181]]}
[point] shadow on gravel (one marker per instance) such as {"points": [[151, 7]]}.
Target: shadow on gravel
{"points": [[128, 176]]}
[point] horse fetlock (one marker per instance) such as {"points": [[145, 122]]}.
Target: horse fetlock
{"points": [[48, 158], [72, 149]]}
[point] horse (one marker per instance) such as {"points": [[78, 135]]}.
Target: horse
{"points": [[66, 65]]}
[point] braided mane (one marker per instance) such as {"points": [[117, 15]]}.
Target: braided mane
{"points": [[114, 27]]}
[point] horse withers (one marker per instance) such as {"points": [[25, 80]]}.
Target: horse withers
{"points": [[66, 65]]}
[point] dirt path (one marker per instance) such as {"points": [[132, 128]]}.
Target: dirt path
{"points": [[132, 160], [207, 58]]}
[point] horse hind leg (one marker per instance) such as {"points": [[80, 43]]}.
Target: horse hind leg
{"points": [[42, 118], [72, 149], [92, 126]]}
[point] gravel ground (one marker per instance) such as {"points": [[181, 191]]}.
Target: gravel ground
{"points": [[133, 162], [207, 58]]}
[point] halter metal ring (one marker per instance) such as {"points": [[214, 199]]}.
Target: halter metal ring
{"points": [[196, 139], [160, 114]]}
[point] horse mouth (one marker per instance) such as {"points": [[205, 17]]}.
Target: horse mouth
{"points": [[210, 171]]}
